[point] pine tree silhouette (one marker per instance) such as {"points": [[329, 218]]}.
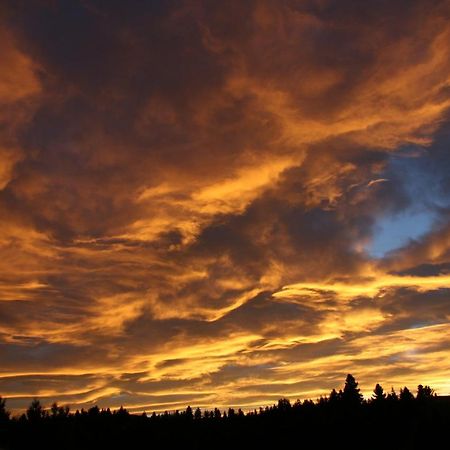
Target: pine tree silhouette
{"points": [[189, 414], [405, 395], [351, 394], [378, 394]]}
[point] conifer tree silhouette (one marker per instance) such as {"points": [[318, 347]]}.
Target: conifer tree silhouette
{"points": [[405, 395], [378, 393], [392, 396], [351, 394], [189, 414]]}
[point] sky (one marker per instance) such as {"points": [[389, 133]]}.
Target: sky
{"points": [[222, 203]]}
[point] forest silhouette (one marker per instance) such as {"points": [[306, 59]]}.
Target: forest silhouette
{"points": [[343, 419]]}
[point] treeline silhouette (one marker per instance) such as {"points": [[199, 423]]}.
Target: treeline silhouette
{"points": [[343, 419]]}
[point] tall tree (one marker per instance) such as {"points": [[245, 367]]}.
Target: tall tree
{"points": [[378, 394], [351, 394], [189, 413]]}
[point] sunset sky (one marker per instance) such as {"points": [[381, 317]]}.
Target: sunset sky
{"points": [[221, 203]]}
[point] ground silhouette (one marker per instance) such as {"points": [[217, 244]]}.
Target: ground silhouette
{"points": [[343, 419]]}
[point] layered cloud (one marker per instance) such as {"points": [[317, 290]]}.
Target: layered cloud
{"points": [[191, 199]]}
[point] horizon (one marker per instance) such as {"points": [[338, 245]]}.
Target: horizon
{"points": [[366, 397], [222, 203]]}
